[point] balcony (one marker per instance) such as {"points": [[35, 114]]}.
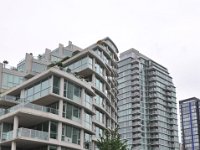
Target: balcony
{"points": [[6, 136], [135, 83], [135, 72], [31, 106], [153, 79], [136, 106], [9, 101], [136, 88], [136, 117], [136, 94], [168, 88], [30, 133]]}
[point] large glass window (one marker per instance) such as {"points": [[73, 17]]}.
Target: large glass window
{"points": [[53, 129], [21, 66], [99, 132], [87, 141], [88, 121], [36, 67], [99, 84], [81, 64], [72, 91], [10, 80], [99, 116], [38, 90], [52, 147], [99, 69], [99, 101], [71, 112], [71, 134], [88, 101], [56, 85]]}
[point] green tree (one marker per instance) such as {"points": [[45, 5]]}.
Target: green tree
{"points": [[111, 141]]}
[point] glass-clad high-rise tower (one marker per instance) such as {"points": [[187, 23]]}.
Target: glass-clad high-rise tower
{"points": [[147, 103]]}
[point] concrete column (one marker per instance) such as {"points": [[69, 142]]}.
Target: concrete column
{"points": [[93, 79], [15, 126], [51, 85], [83, 103], [104, 71], [28, 63], [104, 88], [13, 145], [60, 107], [60, 49], [82, 139], [93, 63], [59, 148], [22, 96], [104, 119], [61, 86], [59, 131], [83, 97], [47, 55], [82, 117]]}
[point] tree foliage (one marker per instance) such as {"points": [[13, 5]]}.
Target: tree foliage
{"points": [[111, 141]]}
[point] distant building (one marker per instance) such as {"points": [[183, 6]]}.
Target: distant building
{"points": [[60, 100], [190, 123], [147, 103], [181, 146]]}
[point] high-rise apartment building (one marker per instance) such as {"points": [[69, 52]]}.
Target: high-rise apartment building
{"points": [[147, 103], [190, 123], [61, 100]]}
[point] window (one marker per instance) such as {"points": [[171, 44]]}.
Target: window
{"points": [[99, 101], [99, 132], [99, 84], [71, 112], [88, 101], [71, 134], [56, 85], [53, 129], [87, 141], [38, 90], [81, 64], [88, 121], [72, 91], [10, 80], [36, 67], [99, 116], [99, 69]]}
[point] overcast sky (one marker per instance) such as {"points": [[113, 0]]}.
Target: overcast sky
{"points": [[168, 31]]}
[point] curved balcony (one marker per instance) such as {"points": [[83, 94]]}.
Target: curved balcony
{"points": [[31, 106]]}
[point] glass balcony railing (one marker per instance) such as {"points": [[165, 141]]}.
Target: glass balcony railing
{"points": [[41, 108], [30, 133], [31, 106], [7, 136], [11, 98]]}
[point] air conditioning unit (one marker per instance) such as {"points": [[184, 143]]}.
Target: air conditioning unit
{"points": [[67, 139]]}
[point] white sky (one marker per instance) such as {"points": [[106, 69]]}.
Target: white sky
{"points": [[168, 31]]}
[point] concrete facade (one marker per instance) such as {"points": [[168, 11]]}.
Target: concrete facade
{"points": [[62, 107]]}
